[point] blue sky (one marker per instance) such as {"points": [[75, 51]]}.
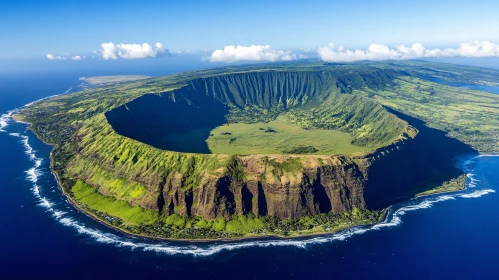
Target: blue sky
{"points": [[33, 29]]}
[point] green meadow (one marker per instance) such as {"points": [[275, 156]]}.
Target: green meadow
{"points": [[279, 136]]}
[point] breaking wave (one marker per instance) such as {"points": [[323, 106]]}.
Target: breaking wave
{"points": [[6, 118], [393, 219], [71, 219]]}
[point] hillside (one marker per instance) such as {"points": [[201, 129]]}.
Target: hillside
{"points": [[197, 154]]}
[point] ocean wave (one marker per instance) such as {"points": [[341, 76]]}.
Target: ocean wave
{"points": [[393, 219], [477, 194], [5, 119], [45, 98], [487, 155]]}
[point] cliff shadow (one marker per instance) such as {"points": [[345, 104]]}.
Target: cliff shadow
{"points": [[247, 199], [178, 121], [420, 164], [321, 198], [262, 201]]}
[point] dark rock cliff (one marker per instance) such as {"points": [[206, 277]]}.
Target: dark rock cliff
{"points": [[337, 185], [264, 185]]}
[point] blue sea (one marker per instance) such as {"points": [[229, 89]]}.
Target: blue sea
{"points": [[447, 236]]}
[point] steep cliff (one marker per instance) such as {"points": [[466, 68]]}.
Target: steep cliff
{"points": [[121, 152], [285, 186]]}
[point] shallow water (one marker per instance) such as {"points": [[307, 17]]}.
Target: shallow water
{"points": [[436, 237]]}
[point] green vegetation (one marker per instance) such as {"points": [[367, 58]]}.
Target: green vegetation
{"points": [[245, 224], [303, 150], [453, 185], [164, 157], [368, 122], [289, 165], [287, 138], [468, 115], [131, 215], [322, 223], [138, 220]]}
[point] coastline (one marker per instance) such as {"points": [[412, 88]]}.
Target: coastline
{"points": [[96, 218], [255, 237], [159, 227], [16, 116], [455, 185]]}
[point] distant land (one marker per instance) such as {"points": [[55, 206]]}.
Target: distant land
{"points": [[105, 80], [284, 149]]}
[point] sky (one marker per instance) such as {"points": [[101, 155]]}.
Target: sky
{"points": [[257, 30]]}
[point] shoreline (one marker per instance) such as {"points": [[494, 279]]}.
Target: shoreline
{"points": [[94, 217], [256, 237]]}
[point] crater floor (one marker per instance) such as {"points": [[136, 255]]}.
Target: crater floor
{"points": [[247, 113], [278, 137]]}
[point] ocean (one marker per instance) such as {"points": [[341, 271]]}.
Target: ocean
{"points": [[447, 236]]}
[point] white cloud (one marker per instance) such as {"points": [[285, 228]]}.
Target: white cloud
{"points": [[53, 57], [332, 53], [131, 51], [77, 57], [252, 53], [183, 52]]}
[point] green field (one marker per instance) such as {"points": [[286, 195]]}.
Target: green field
{"points": [[278, 137], [132, 215], [468, 115]]}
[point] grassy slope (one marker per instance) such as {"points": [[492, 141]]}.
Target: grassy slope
{"points": [[132, 215], [368, 122], [468, 115], [118, 166]]}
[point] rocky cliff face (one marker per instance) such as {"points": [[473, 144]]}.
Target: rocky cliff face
{"points": [[286, 186], [334, 186], [289, 186]]}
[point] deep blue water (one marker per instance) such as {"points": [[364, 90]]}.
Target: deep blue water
{"points": [[450, 236], [491, 89]]}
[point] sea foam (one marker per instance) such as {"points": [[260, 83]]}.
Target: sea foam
{"points": [[71, 219], [5, 119]]}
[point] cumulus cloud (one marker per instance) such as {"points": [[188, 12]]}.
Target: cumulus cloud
{"points": [[54, 57], [332, 53], [251, 53], [76, 57], [131, 51]]}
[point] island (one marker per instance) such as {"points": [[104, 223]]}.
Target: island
{"points": [[281, 149]]}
